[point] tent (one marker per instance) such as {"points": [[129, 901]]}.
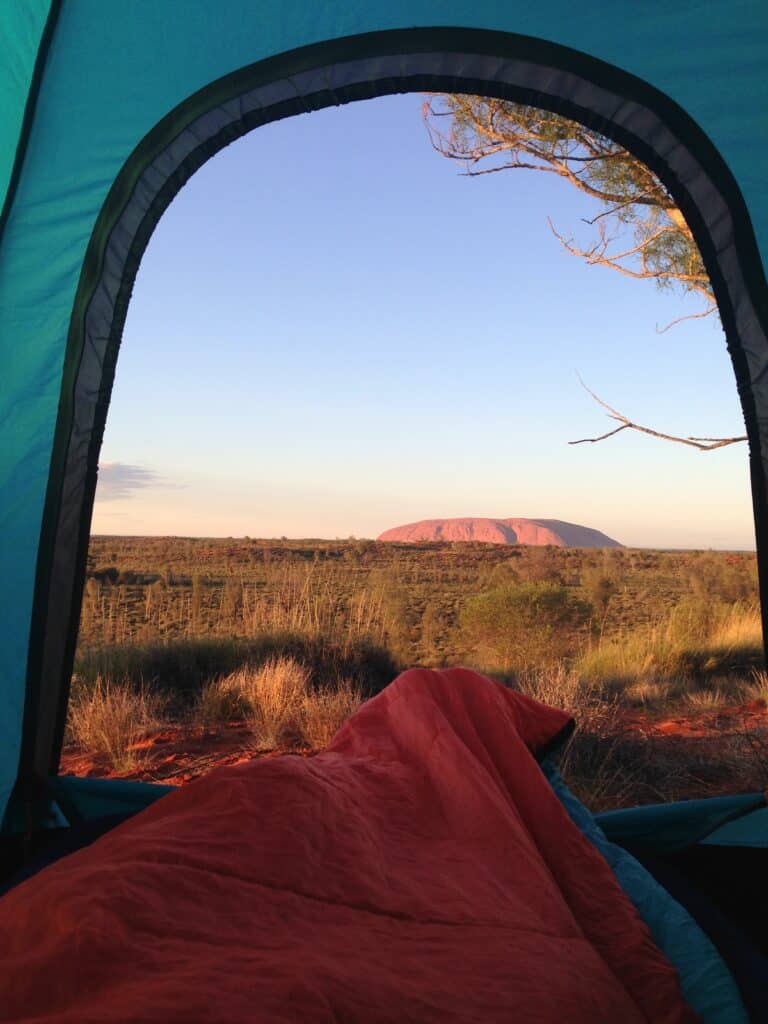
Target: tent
{"points": [[107, 109]]}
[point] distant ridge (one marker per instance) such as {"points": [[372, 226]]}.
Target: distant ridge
{"points": [[536, 532]]}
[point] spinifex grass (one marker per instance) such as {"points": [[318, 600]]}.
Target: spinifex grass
{"points": [[111, 718], [279, 704], [324, 712]]}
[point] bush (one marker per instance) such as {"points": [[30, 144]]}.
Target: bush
{"points": [[269, 697], [111, 718], [523, 625], [276, 693]]}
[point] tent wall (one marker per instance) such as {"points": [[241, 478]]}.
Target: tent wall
{"points": [[21, 39], [133, 97]]}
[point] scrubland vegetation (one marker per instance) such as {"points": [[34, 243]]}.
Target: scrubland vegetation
{"points": [[289, 637]]}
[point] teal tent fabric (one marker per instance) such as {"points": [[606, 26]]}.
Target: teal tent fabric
{"points": [[667, 828], [21, 31], [750, 830], [90, 799], [107, 108]]}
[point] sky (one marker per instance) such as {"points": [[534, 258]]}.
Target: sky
{"points": [[334, 332]]}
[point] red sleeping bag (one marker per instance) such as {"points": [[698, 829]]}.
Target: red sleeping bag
{"points": [[420, 869]]}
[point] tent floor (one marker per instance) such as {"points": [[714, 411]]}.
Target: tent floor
{"points": [[21, 858], [722, 888]]}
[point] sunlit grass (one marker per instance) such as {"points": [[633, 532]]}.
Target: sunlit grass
{"points": [[279, 704], [704, 700], [111, 717], [260, 634], [324, 711], [757, 689], [694, 641]]}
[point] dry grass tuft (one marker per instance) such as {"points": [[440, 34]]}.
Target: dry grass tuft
{"points": [[269, 698], [110, 718], [600, 764], [644, 693], [758, 688], [702, 700], [326, 710], [222, 700], [273, 695], [279, 705], [607, 764], [597, 762], [557, 686], [737, 627]]}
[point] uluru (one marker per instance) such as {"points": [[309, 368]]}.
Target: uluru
{"points": [[501, 531]]}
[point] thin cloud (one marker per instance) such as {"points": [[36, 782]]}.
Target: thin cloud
{"points": [[120, 480]]}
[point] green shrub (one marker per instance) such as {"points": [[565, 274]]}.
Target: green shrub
{"points": [[523, 625]]}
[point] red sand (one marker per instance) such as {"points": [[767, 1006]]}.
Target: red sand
{"points": [[711, 724], [174, 756], [180, 753]]}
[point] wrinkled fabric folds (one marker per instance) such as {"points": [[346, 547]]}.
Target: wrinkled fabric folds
{"points": [[419, 869]]}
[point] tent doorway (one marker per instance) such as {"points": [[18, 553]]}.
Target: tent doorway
{"points": [[449, 60], [302, 292]]}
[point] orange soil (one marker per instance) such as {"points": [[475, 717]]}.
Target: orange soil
{"points": [[711, 752], [712, 724], [180, 753], [174, 756]]}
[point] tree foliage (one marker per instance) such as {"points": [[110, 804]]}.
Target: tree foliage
{"points": [[492, 135]]}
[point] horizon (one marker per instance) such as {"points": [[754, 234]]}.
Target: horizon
{"points": [[354, 538]]}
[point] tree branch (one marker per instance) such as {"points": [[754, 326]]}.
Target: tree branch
{"points": [[703, 444], [598, 256], [491, 135], [514, 139], [616, 208], [712, 308]]}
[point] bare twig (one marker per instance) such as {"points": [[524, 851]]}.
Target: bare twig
{"points": [[703, 444], [712, 308], [599, 255], [614, 209]]}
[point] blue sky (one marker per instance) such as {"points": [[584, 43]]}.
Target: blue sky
{"points": [[333, 332]]}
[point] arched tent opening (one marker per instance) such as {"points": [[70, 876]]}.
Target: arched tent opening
{"points": [[442, 60]]}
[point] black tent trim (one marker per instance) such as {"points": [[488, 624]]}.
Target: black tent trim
{"points": [[458, 60]]}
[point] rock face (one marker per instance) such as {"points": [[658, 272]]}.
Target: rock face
{"points": [[502, 531]]}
